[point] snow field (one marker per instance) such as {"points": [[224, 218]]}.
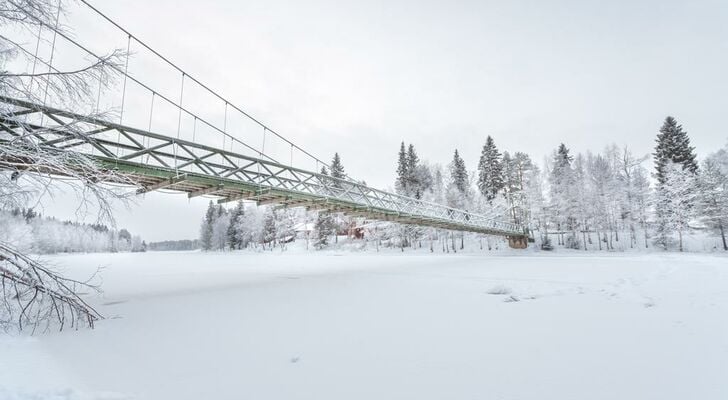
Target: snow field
{"points": [[387, 326]]}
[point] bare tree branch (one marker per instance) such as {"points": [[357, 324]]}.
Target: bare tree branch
{"points": [[33, 296]]}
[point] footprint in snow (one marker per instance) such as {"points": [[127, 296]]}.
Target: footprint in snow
{"points": [[511, 299]]}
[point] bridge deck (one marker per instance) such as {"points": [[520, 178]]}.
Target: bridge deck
{"points": [[153, 161]]}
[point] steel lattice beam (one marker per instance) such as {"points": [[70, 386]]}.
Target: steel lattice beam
{"points": [[199, 169]]}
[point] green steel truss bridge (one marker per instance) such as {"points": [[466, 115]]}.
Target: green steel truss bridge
{"points": [[193, 152]]}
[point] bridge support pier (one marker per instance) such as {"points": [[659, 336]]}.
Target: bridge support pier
{"points": [[517, 242]]}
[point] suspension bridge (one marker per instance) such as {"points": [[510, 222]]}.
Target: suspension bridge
{"points": [[193, 152]]}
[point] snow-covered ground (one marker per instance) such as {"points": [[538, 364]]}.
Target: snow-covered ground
{"points": [[330, 325]]}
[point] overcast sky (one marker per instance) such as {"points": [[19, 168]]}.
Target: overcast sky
{"points": [[360, 77]]}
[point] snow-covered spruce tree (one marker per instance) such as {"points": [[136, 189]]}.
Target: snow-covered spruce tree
{"points": [[564, 195], [459, 175], [458, 190], [38, 297], [418, 176], [268, 233], [673, 147], [233, 233], [337, 170], [324, 223], [490, 171], [400, 183], [418, 183], [339, 220], [325, 180], [672, 151], [324, 228], [713, 194], [412, 179]]}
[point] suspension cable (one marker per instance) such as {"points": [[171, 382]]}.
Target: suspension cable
{"points": [[181, 93], [123, 93], [260, 177], [151, 114], [143, 85], [173, 65], [224, 128]]}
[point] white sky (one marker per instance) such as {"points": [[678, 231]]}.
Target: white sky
{"points": [[360, 77]]}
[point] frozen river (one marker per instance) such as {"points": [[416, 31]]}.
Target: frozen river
{"points": [[386, 326]]}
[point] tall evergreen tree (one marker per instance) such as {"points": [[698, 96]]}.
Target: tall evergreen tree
{"points": [[490, 171], [672, 151], [673, 146], [401, 182], [337, 171], [413, 181], [268, 233], [458, 193], [564, 195], [458, 173], [236, 217], [325, 180], [337, 168], [324, 227]]}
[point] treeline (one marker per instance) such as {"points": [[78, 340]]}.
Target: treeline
{"points": [[610, 200], [267, 227], [45, 235], [242, 228], [587, 201]]}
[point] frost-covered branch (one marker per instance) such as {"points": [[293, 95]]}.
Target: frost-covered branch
{"points": [[36, 298]]}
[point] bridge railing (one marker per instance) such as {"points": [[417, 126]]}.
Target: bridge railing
{"points": [[149, 91], [124, 145]]}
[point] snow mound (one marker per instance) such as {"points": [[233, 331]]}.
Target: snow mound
{"points": [[499, 290]]}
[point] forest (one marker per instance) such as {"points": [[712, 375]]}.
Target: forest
{"points": [[609, 200], [30, 231]]}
